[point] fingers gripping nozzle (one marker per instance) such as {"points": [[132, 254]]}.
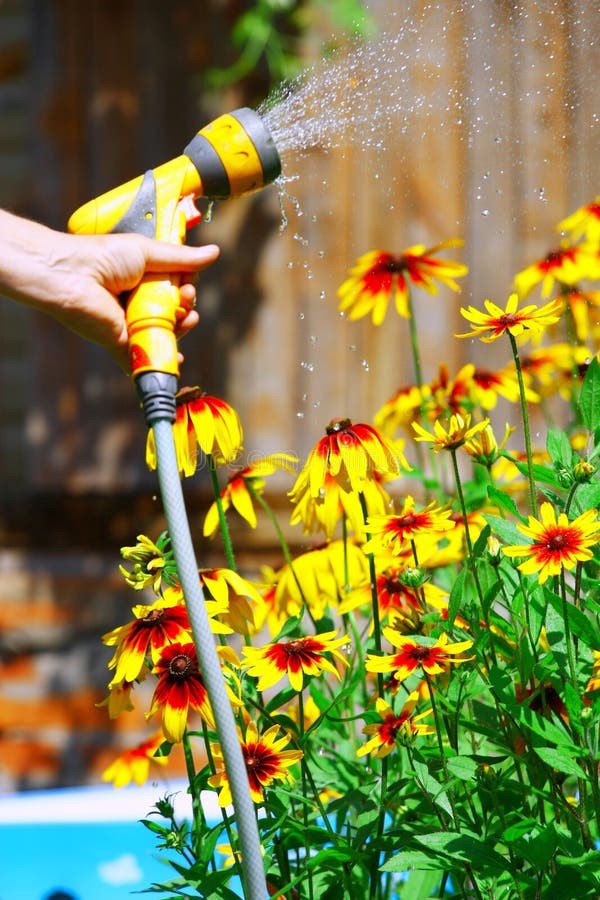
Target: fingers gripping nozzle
{"points": [[232, 156]]}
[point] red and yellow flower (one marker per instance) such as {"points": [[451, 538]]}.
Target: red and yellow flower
{"points": [[488, 386], [297, 658], [557, 543], [180, 688], [377, 276], [242, 488], [389, 533], [202, 423], [401, 410], [134, 765], [334, 503], [152, 627], [393, 727], [265, 758], [459, 431], [583, 223], [565, 266], [352, 455], [530, 321], [431, 657]]}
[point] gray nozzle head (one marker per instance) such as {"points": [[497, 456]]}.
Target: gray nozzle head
{"points": [[263, 141]]}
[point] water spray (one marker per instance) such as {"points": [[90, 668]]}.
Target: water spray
{"points": [[232, 156]]}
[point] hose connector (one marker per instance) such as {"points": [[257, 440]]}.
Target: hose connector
{"points": [[157, 391]]}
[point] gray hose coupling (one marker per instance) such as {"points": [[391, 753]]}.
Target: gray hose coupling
{"points": [[157, 391]]}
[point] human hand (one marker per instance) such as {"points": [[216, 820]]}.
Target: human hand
{"points": [[79, 279]]}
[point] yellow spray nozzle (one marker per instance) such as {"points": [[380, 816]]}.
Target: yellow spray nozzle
{"points": [[232, 156]]}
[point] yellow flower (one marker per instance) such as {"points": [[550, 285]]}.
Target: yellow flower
{"points": [[134, 765], [483, 447], [583, 223], [566, 266], [232, 593], [334, 503], [388, 533], [151, 563], [378, 276], [400, 410], [243, 486], [433, 657], [296, 658], [202, 423], [352, 455], [530, 320], [265, 758], [556, 543], [393, 728], [459, 431]]}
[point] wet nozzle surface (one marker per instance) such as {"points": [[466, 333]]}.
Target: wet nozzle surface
{"points": [[234, 155]]}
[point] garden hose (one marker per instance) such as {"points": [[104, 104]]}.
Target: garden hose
{"points": [[208, 660], [233, 155]]}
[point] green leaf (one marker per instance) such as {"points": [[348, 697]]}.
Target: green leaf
{"points": [[456, 596], [504, 501], [589, 398], [463, 767], [548, 731], [561, 760], [559, 448], [519, 830], [579, 622], [456, 848], [505, 530]]}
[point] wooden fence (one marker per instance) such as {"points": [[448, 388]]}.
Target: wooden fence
{"points": [[503, 144]]}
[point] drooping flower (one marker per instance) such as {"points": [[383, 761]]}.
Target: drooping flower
{"points": [[557, 544], [118, 699], [388, 533], [378, 276], [202, 423], [393, 728], [319, 577], [446, 395], [458, 431], [432, 657], [483, 447], [584, 307], [232, 593], [152, 563], [583, 223], [152, 627], [134, 765], [400, 410], [180, 688], [351, 454], [567, 265], [489, 385], [297, 658], [265, 758], [530, 320], [334, 503], [556, 368], [241, 487]]}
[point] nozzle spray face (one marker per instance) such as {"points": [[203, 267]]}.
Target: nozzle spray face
{"points": [[235, 154]]}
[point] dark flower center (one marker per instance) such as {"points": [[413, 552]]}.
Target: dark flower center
{"points": [[557, 541], [420, 652], [407, 521], [153, 617], [509, 319], [394, 585], [180, 666], [337, 425]]}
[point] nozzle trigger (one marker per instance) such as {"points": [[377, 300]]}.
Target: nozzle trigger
{"points": [[191, 213]]}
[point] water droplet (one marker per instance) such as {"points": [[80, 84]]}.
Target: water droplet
{"points": [[485, 212], [299, 415], [364, 364], [313, 339], [301, 316]]}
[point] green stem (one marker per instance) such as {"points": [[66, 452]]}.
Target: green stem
{"points": [[222, 518], [198, 817], [414, 342], [526, 429]]}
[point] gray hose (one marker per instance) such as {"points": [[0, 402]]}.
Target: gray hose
{"points": [[253, 874]]}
